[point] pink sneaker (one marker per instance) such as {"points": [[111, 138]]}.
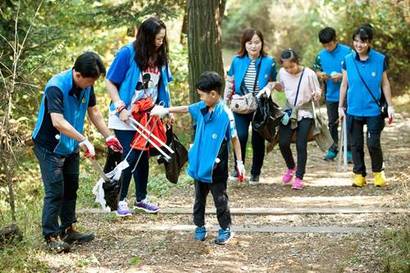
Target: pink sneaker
{"points": [[297, 184], [288, 175]]}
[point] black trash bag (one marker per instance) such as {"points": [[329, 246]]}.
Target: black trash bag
{"points": [[178, 159], [112, 187], [266, 118]]}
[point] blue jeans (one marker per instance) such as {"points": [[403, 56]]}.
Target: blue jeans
{"points": [[242, 122], [60, 178], [141, 172]]}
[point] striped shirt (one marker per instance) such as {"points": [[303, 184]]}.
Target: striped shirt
{"points": [[250, 76]]}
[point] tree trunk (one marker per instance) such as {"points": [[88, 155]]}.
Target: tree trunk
{"points": [[204, 40]]}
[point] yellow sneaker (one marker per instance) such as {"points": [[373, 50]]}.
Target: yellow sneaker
{"points": [[379, 179], [359, 180]]}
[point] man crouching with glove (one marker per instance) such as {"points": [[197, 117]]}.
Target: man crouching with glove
{"points": [[208, 156], [57, 136]]}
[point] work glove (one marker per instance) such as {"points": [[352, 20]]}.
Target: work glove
{"points": [[88, 148], [390, 113], [159, 111], [113, 143], [266, 91], [241, 170]]}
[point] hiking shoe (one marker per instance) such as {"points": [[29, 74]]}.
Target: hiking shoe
{"points": [[224, 236], [358, 180], [123, 209], [70, 236], [349, 157], [330, 155], [379, 179], [145, 206], [288, 175], [297, 184], [55, 244], [200, 233], [254, 179]]}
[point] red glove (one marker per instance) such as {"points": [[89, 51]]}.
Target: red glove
{"points": [[113, 143]]}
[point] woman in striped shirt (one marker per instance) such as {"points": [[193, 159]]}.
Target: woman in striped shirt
{"points": [[251, 70]]}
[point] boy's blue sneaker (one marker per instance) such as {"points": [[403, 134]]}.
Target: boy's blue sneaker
{"points": [[330, 155], [349, 157], [224, 236], [200, 233]]}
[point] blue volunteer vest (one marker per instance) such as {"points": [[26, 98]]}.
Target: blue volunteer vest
{"points": [[74, 110], [133, 75], [209, 135], [332, 62], [359, 101], [240, 65]]}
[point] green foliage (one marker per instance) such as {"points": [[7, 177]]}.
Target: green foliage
{"points": [[296, 24], [396, 253]]}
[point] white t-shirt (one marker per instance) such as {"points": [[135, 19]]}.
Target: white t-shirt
{"points": [[308, 86], [148, 89]]}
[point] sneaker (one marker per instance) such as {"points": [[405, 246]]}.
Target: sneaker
{"points": [[330, 155], [55, 244], [123, 209], [254, 179], [359, 181], [349, 157], [200, 233], [297, 184], [145, 206], [224, 236], [288, 175], [70, 236], [379, 179]]}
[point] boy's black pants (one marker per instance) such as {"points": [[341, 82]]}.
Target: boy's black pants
{"points": [[218, 191]]}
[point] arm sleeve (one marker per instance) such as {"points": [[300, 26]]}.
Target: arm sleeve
{"points": [[274, 72], [93, 100], [194, 111], [119, 67], [231, 70], [317, 66], [55, 100]]}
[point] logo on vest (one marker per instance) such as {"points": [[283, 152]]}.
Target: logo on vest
{"points": [[214, 136], [373, 74], [83, 101]]}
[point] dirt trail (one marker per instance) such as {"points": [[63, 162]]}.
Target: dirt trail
{"points": [[135, 244]]}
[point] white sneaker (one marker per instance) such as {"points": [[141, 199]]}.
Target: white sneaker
{"points": [[123, 209]]}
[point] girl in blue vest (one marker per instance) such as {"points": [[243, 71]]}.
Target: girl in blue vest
{"points": [[364, 81], [250, 62], [301, 86], [208, 156], [139, 71]]}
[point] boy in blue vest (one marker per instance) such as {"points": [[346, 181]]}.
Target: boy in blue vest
{"points": [[208, 156], [328, 67], [57, 136]]}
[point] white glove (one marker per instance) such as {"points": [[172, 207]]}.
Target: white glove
{"points": [[88, 147], [390, 113], [342, 114], [241, 170], [159, 110], [265, 91]]}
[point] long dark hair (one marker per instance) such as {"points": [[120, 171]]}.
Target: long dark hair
{"points": [[247, 36], [144, 44]]}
